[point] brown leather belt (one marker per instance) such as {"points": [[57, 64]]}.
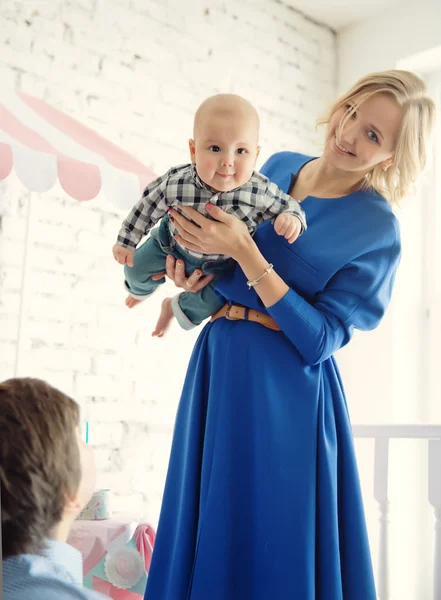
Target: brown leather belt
{"points": [[235, 312]]}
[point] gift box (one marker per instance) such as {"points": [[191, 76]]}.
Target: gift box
{"points": [[116, 553]]}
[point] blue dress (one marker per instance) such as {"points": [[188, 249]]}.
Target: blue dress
{"points": [[262, 499]]}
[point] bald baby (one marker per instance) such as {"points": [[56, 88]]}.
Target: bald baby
{"points": [[225, 106], [223, 151]]}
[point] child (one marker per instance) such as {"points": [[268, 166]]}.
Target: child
{"points": [[223, 154], [47, 476]]}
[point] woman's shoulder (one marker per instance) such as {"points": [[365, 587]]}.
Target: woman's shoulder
{"points": [[374, 221], [378, 206], [281, 166]]}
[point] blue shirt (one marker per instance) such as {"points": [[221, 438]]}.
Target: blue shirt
{"points": [[57, 574]]}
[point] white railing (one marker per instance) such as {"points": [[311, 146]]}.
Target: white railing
{"points": [[382, 434]]}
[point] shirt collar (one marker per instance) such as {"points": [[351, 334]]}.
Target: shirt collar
{"points": [[198, 181], [66, 556]]}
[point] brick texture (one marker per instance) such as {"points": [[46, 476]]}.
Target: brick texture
{"points": [[135, 71]]}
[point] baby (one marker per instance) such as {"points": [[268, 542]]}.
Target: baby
{"points": [[223, 156]]}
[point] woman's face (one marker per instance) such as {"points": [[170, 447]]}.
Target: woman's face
{"points": [[368, 137]]}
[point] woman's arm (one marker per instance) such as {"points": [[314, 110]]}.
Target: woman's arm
{"points": [[228, 235], [357, 296], [271, 288]]}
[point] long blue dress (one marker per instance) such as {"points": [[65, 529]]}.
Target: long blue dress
{"points": [[262, 499]]}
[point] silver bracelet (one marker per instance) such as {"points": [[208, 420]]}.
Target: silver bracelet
{"points": [[253, 283]]}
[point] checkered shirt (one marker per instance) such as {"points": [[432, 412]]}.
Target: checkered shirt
{"points": [[257, 200]]}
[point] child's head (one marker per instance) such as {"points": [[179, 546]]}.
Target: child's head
{"points": [[46, 471], [225, 145]]}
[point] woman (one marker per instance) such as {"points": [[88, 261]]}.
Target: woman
{"points": [[262, 498]]}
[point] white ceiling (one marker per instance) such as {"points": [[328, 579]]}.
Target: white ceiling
{"points": [[339, 14]]}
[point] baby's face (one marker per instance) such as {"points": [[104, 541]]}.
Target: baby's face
{"points": [[225, 151]]}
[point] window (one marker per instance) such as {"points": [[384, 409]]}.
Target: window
{"points": [[431, 267]]}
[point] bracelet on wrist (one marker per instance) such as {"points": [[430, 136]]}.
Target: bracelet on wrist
{"points": [[254, 282]]}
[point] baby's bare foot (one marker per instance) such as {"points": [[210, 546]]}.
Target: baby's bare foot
{"points": [[131, 302], [165, 318]]}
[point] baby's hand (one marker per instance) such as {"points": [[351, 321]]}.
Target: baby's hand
{"points": [[289, 226], [123, 255]]}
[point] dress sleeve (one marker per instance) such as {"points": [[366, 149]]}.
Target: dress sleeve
{"points": [[356, 297]]}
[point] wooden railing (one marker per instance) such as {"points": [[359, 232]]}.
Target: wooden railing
{"points": [[382, 434]]}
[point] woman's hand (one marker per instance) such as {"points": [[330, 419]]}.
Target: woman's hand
{"points": [[225, 235], [175, 270]]}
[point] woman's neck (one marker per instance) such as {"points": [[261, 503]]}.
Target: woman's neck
{"points": [[325, 181]]}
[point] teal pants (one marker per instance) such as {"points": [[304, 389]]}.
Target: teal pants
{"points": [[190, 309]]}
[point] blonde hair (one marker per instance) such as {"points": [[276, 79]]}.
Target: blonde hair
{"points": [[418, 118]]}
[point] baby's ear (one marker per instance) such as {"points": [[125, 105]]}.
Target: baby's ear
{"points": [[258, 152], [192, 148]]}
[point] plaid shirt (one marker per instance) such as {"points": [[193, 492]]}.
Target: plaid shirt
{"points": [[257, 200]]}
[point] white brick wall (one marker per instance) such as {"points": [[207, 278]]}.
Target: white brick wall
{"points": [[135, 71]]}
